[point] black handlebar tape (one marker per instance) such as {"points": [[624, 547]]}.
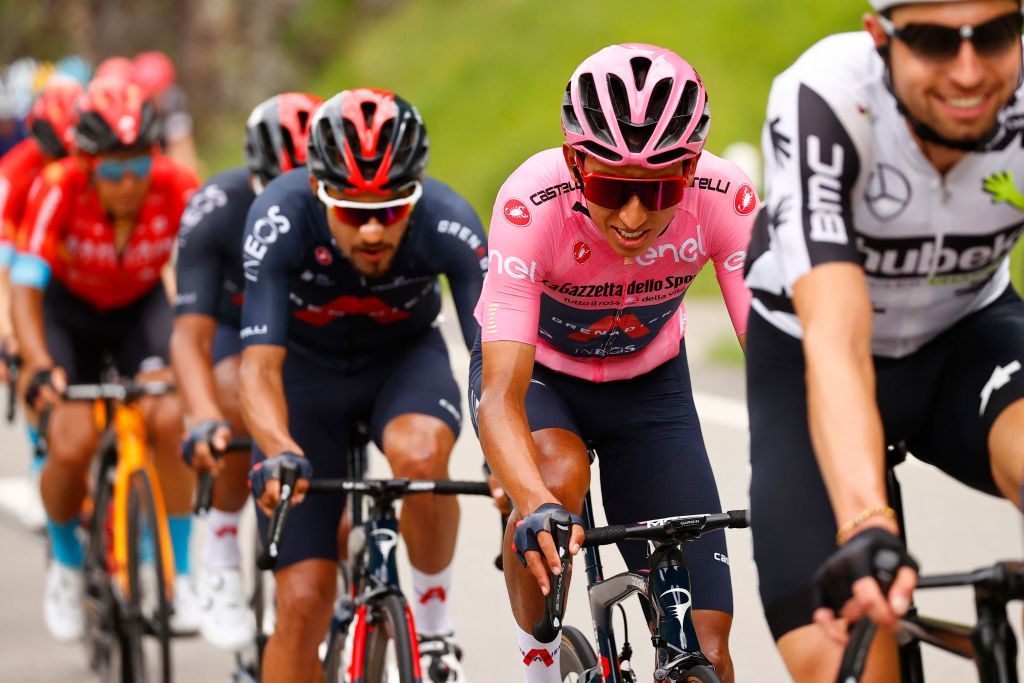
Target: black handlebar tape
{"points": [[466, 488], [739, 519], [546, 630], [605, 535], [856, 654], [43, 429], [238, 443], [288, 475], [204, 493]]}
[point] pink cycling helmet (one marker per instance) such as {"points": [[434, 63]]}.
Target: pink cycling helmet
{"points": [[636, 105]]}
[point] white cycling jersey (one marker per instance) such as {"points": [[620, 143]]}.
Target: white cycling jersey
{"points": [[846, 181]]}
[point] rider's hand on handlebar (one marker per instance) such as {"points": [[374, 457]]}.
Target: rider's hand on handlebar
{"points": [[200, 443], [850, 583], [8, 352], [46, 386], [264, 479], [535, 546]]}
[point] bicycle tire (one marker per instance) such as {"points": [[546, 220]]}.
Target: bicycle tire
{"points": [[390, 635], [101, 606], [702, 674], [577, 656], [140, 625]]}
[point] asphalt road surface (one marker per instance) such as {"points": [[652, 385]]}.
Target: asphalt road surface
{"points": [[951, 528]]}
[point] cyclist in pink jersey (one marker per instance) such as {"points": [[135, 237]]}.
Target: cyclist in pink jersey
{"points": [[591, 250]]}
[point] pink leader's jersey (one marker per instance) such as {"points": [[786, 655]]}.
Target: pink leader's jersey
{"points": [[554, 282]]}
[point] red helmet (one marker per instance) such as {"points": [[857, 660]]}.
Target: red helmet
{"points": [[154, 71], [115, 67], [115, 116], [53, 116], [276, 134], [368, 141]]}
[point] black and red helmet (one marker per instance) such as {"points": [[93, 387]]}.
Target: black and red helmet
{"points": [[53, 116], [276, 134], [115, 116], [368, 141]]}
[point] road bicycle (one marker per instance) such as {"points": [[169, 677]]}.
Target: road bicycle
{"points": [[665, 593], [128, 633], [990, 642], [372, 637]]}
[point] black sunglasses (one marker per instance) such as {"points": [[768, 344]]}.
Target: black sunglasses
{"points": [[942, 43]]}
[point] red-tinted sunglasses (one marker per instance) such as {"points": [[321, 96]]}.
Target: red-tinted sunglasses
{"points": [[358, 217], [614, 192], [386, 213]]}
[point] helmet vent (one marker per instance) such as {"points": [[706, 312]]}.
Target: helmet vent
{"points": [[640, 66], [681, 118], [303, 121], [569, 120], [701, 131], [592, 109], [601, 152], [668, 157], [368, 109]]}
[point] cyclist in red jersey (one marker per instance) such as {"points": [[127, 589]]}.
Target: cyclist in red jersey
{"points": [[97, 232], [50, 121]]}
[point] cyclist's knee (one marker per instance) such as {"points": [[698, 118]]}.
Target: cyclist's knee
{"points": [[418, 448], [166, 419], [305, 595], [564, 466], [72, 436]]}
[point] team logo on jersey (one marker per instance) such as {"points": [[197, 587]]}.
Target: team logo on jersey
{"points": [[516, 213], [746, 200], [323, 256], [888, 192], [581, 252], [1003, 189]]}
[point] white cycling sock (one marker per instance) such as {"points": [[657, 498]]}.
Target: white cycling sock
{"points": [[541, 660], [221, 549], [430, 604]]}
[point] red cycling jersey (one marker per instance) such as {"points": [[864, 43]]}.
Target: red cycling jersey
{"points": [[18, 168], [65, 226]]}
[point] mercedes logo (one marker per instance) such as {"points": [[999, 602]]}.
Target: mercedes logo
{"points": [[888, 192]]}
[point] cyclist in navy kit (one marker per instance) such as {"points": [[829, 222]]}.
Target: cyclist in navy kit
{"points": [[205, 347], [341, 266]]}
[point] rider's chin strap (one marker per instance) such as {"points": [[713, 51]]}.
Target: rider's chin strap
{"points": [[929, 134]]}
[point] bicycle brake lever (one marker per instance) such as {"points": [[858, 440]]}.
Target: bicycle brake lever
{"points": [[289, 475], [547, 628]]}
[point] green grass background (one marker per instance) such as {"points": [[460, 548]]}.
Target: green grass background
{"points": [[488, 75]]}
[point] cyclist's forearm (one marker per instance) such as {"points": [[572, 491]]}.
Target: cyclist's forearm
{"points": [[510, 451], [845, 425], [263, 405], [191, 357], [27, 310]]}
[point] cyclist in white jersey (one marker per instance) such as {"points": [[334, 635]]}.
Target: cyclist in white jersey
{"points": [[882, 305]]}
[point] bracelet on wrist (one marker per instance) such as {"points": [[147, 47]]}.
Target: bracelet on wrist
{"points": [[846, 530]]}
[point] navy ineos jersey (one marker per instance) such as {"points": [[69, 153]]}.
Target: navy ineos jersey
{"points": [[209, 266], [303, 293], [847, 182]]}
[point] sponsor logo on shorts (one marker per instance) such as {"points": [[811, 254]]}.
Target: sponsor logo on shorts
{"points": [[1000, 378]]}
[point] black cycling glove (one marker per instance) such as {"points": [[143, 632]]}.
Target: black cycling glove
{"points": [[202, 432], [873, 552], [542, 519], [262, 472]]}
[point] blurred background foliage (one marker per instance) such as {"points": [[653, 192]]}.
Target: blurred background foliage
{"points": [[487, 75]]}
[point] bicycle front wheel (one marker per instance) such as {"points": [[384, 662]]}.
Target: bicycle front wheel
{"points": [[390, 653], [147, 631], [577, 655], [702, 674]]}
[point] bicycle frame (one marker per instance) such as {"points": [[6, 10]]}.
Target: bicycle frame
{"points": [[667, 590], [127, 425]]}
